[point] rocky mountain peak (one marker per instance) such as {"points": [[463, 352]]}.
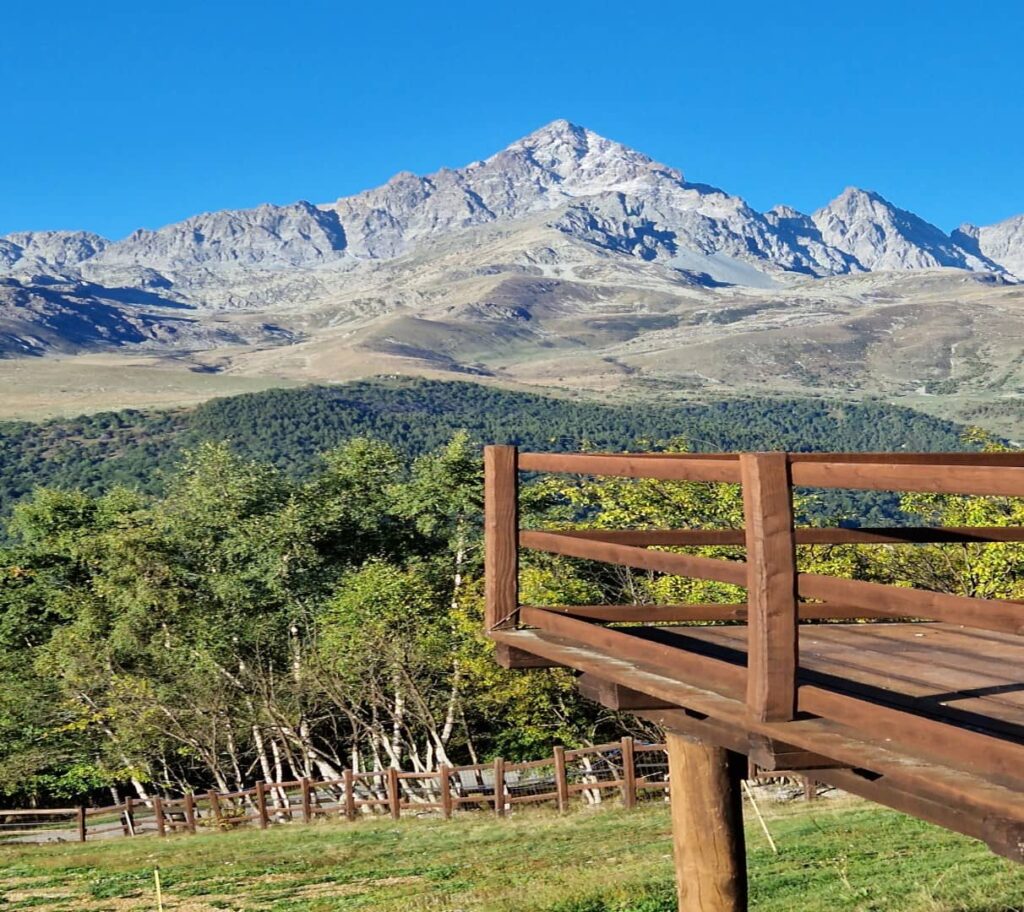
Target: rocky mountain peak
{"points": [[880, 235]]}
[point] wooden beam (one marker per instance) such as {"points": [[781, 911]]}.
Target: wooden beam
{"points": [[867, 535], [721, 675], [662, 561], [707, 826], [1003, 836], [661, 614], [773, 755], [996, 480], [993, 757], [510, 657], [666, 467], [615, 696], [899, 602], [501, 527], [771, 587]]}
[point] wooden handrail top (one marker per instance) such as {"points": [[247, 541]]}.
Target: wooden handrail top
{"points": [[670, 467], [986, 474], [1013, 458]]}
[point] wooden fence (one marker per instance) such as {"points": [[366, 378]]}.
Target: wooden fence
{"points": [[629, 771]]}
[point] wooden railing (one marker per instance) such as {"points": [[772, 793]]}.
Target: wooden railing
{"points": [[624, 768], [779, 597]]}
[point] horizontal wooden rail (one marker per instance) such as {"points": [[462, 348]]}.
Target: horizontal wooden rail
{"points": [[666, 468], [665, 614], [629, 556], [727, 678], [901, 602], [995, 480], [895, 535]]}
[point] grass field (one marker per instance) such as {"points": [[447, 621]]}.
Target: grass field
{"points": [[833, 856]]}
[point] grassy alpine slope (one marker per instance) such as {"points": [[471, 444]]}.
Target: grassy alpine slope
{"points": [[834, 856]]}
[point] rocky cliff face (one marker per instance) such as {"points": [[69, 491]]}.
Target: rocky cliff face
{"points": [[1002, 243], [880, 235]]}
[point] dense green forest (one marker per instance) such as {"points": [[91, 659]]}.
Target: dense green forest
{"points": [[289, 428]]}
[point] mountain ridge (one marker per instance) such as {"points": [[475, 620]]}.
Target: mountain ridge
{"points": [[565, 260], [553, 166]]}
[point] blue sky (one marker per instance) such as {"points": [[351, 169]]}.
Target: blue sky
{"points": [[116, 115]]}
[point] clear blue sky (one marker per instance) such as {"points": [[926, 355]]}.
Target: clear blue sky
{"points": [[116, 115]]}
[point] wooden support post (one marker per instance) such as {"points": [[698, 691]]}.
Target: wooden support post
{"points": [[707, 826], [158, 814], [394, 794], [261, 804], [445, 774], [501, 533], [80, 816], [214, 806], [499, 786], [129, 816], [190, 812], [307, 802], [350, 795], [561, 781], [628, 774], [771, 587]]}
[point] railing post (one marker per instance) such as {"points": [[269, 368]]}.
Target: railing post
{"points": [[772, 625], [501, 536], [445, 775], [394, 794], [350, 794], [214, 806], [307, 802], [628, 774], [261, 804], [81, 823], [499, 786], [129, 816], [190, 812], [158, 813], [561, 781]]}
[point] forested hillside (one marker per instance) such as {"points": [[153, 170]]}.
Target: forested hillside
{"points": [[248, 625], [288, 428]]}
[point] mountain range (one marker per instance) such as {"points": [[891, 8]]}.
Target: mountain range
{"points": [[566, 259]]}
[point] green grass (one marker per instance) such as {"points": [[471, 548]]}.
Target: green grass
{"points": [[834, 856]]}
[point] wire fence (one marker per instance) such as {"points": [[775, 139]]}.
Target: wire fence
{"points": [[618, 771]]}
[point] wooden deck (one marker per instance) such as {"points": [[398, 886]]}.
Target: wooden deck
{"points": [[812, 672]]}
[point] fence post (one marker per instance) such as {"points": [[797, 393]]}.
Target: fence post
{"points": [[810, 789], [158, 812], [307, 802], [129, 817], [190, 812], [80, 815], [628, 774], [561, 780], [501, 533], [214, 806], [772, 623], [350, 797], [261, 804], [394, 794], [445, 775], [499, 786]]}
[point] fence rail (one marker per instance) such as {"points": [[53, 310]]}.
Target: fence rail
{"points": [[632, 772]]}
